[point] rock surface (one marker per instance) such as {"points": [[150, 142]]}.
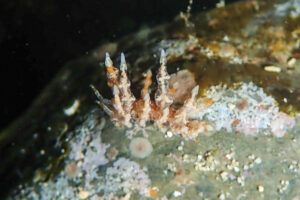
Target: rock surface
{"points": [[65, 146]]}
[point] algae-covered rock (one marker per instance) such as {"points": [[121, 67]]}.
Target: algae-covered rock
{"points": [[231, 132]]}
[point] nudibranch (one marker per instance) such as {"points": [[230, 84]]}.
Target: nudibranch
{"points": [[127, 110]]}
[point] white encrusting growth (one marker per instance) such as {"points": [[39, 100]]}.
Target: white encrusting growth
{"points": [[244, 108], [87, 174]]}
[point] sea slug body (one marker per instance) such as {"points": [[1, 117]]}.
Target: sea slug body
{"points": [[244, 108]]}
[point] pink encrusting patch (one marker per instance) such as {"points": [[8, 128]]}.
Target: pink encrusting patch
{"points": [[140, 147], [281, 124], [181, 85]]}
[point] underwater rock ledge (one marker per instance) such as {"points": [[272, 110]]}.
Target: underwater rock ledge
{"points": [[66, 147]]}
